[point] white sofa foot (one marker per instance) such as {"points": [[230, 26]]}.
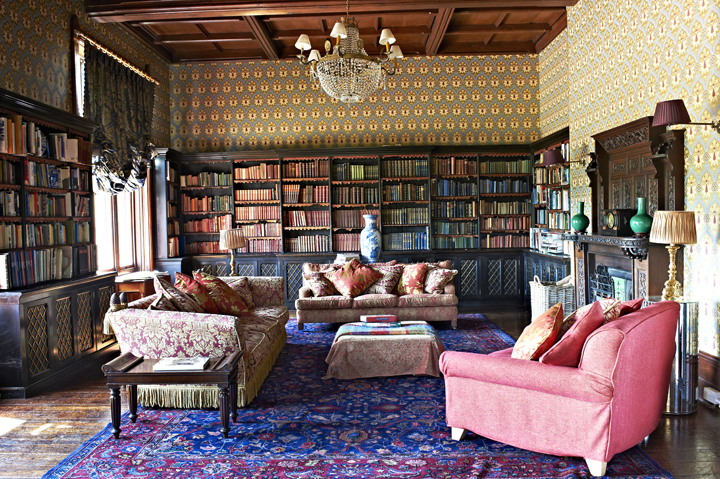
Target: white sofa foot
{"points": [[597, 468], [458, 433]]}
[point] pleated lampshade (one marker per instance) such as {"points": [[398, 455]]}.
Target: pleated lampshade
{"points": [[232, 239], [673, 227], [671, 112]]}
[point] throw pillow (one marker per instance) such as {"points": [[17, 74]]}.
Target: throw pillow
{"points": [[539, 335], [162, 304], [390, 277], [412, 280], [567, 351], [353, 278], [180, 300], [196, 291], [225, 299], [437, 278], [242, 288], [446, 264], [610, 308], [318, 267], [320, 285], [627, 307]]}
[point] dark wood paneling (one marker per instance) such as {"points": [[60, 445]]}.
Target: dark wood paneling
{"points": [[708, 372]]}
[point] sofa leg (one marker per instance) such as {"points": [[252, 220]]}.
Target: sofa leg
{"points": [[597, 468], [454, 323], [458, 433], [301, 326]]}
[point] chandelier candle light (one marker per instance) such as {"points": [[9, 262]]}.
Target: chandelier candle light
{"points": [[347, 73], [232, 239]]}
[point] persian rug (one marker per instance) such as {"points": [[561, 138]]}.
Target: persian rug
{"points": [[301, 426]]}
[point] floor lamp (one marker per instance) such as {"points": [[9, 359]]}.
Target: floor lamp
{"points": [[673, 228], [232, 239]]}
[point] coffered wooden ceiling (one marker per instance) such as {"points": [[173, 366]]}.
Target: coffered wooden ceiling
{"points": [[218, 30]]}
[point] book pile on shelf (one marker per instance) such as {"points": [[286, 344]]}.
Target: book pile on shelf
{"points": [[351, 218], [173, 228], [305, 194], [453, 188], [412, 168], [243, 213], [504, 241], [503, 207], [405, 216], [405, 192], [455, 228], [203, 247], [10, 235], [209, 225], [307, 218], [206, 203], [343, 258], [263, 171], [348, 172], [206, 179], [504, 186], [549, 243], [541, 217], [405, 241], [500, 224], [507, 167], [307, 244], [306, 169], [263, 194], [270, 245], [454, 209], [261, 229], [79, 179], [9, 203], [346, 241], [82, 206], [462, 242], [355, 195], [80, 229], [7, 172], [454, 166], [43, 204]]}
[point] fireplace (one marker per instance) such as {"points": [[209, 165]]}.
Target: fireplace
{"points": [[609, 282]]}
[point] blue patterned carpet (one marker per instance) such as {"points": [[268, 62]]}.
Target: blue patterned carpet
{"points": [[301, 426]]}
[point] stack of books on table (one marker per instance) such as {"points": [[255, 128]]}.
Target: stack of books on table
{"points": [[380, 320], [343, 258]]}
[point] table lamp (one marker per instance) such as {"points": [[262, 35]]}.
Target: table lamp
{"points": [[673, 228], [232, 239]]}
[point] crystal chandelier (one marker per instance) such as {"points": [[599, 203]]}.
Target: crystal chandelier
{"points": [[348, 73]]}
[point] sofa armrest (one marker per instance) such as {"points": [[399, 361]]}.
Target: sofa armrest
{"points": [[529, 375], [449, 288], [305, 292]]}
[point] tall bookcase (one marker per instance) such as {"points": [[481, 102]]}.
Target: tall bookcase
{"points": [[356, 192], [404, 222], [257, 209]]}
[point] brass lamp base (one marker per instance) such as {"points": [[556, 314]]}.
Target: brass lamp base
{"points": [[673, 289], [232, 262]]}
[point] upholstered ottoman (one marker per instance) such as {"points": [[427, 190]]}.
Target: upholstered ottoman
{"points": [[365, 351]]}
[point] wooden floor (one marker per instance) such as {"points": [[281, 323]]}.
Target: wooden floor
{"points": [[37, 433]]}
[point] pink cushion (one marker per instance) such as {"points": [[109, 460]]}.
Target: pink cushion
{"points": [[226, 300], [242, 288], [631, 306], [566, 352], [179, 299], [540, 335], [412, 280], [319, 284], [196, 291], [390, 277], [353, 278], [437, 278]]}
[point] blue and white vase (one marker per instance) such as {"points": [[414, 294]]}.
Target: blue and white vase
{"points": [[370, 240]]}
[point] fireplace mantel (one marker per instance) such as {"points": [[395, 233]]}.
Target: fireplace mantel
{"points": [[633, 248]]}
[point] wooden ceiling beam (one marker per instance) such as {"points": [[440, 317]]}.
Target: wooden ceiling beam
{"points": [[557, 27], [439, 27], [202, 38], [507, 28], [501, 18], [262, 35], [364, 32], [495, 48]]}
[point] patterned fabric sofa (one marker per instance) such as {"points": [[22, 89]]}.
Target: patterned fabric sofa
{"points": [[154, 334], [412, 307]]}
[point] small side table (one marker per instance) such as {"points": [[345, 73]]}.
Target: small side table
{"points": [[130, 371], [138, 285]]}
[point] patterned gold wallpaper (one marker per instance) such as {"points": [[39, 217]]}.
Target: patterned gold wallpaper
{"points": [[35, 59], [431, 100], [553, 93], [623, 56]]}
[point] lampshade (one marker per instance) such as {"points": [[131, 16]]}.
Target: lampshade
{"points": [[671, 112], [232, 239], [673, 227], [386, 36], [552, 157], [395, 52], [303, 42], [338, 31], [314, 56]]}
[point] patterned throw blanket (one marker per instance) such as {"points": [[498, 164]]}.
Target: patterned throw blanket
{"points": [[354, 329]]}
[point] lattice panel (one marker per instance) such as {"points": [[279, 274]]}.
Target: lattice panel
{"points": [[207, 268], [293, 278], [85, 329], [38, 350], [510, 277], [494, 278], [245, 269], [468, 277], [221, 269], [104, 294], [63, 317], [268, 269], [529, 276]]}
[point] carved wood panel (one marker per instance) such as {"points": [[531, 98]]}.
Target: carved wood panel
{"points": [[37, 342], [85, 326], [63, 317], [104, 294]]}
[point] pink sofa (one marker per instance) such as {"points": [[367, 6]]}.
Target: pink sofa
{"points": [[609, 403]]}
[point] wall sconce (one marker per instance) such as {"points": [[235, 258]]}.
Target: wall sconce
{"points": [[673, 112]]}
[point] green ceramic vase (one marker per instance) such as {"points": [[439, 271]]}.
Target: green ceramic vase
{"points": [[641, 223], [580, 222]]}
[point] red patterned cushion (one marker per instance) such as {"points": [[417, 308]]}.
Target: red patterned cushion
{"points": [[412, 280], [539, 335], [627, 307], [437, 278], [196, 291], [611, 312], [320, 285], [225, 299], [162, 303], [242, 288], [318, 268], [566, 352], [353, 278], [180, 300], [390, 277]]}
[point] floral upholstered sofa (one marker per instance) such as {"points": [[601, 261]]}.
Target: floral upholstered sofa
{"points": [[259, 333], [338, 308]]}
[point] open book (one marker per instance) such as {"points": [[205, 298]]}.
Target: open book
{"points": [[181, 364]]}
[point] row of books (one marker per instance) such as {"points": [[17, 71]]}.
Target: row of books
{"points": [[82, 206], [349, 172], [206, 203], [9, 203], [7, 172], [517, 166], [405, 168], [173, 247], [19, 137], [492, 240], [262, 246], [549, 243], [454, 209], [263, 171], [44, 204], [307, 218], [173, 193], [351, 218], [305, 194], [306, 169], [203, 247], [453, 166], [558, 221], [405, 241], [405, 192], [461, 242], [51, 176], [51, 234], [172, 210], [346, 241], [505, 223], [504, 186], [262, 194], [405, 216], [257, 213], [307, 244], [173, 227], [207, 178], [209, 225], [355, 195], [453, 188], [20, 269], [262, 229], [455, 227], [503, 207], [10, 235]]}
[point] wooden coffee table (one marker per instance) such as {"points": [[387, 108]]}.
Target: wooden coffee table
{"points": [[132, 371]]}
